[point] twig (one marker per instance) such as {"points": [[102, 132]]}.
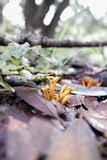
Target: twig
{"points": [[47, 42]]}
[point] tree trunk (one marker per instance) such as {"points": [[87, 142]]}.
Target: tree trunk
{"points": [[30, 10], [1, 16], [49, 30], [35, 14]]}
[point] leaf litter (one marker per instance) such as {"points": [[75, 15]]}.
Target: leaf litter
{"points": [[77, 142], [96, 114], [32, 143], [33, 128]]}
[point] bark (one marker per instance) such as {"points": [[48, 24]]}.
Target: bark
{"points": [[47, 42], [2, 4], [1, 16], [50, 29], [39, 17], [35, 14], [30, 10]]}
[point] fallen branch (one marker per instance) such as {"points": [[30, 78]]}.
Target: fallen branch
{"points": [[47, 42]]}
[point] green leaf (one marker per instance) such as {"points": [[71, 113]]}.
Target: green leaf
{"points": [[24, 61], [25, 75], [35, 48], [18, 50], [30, 69], [6, 55], [2, 64], [15, 61], [3, 59], [24, 48], [6, 85], [11, 69]]}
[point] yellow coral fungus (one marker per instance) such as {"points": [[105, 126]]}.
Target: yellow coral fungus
{"points": [[53, 82], [88, 82], [66, 92], [62, 90], [100, 83], [50, 93], [46, 92], [65, 99]]}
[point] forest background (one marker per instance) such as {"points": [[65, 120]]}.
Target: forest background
{"points": [[59, 19]]}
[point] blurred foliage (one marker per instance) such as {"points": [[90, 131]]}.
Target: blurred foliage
{"points": [[82, 25]]}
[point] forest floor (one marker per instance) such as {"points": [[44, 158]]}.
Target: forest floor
{"points": [[35, 126]]}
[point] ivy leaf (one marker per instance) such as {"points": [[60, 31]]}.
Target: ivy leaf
{"points": [[11, 69], [15, 61], [6, 85], [3, 58], [24, 48], [35, 48], [24, 61], [18, 50], [6, 55], [25, 75], [2, 64]]}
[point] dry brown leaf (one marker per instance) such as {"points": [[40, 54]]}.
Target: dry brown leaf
{"points": [[70, 115], [3, 136], [19, 141], [29, 141], [77, 142], [60, 108], [92, 91], [44, 133], [96, 114], [74, 100], [33, 98]]}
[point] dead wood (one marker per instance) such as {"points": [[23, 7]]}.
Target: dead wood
{"points": [[46, 42]]}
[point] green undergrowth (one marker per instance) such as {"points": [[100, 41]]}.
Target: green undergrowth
{"points": [[30, 62], [16, 60]]}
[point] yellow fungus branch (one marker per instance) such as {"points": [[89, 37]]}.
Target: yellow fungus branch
{"points": [[49, 91], [62, 90], [99, 84], [65, 99], [88, 82], [66, 92], [46, 93], [53, 82]]}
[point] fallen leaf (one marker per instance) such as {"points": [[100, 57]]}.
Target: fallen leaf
{"points": [[30, 141], [70, 115], [96, 114], [44, 132], [92, 91], [75, 100], [33, 98], [19, 141], [60, 108], [3, 135], [77, 142], [15, 107]]}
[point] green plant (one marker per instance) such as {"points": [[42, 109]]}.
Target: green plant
{"points": [[15, 62], [97, 57]]}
